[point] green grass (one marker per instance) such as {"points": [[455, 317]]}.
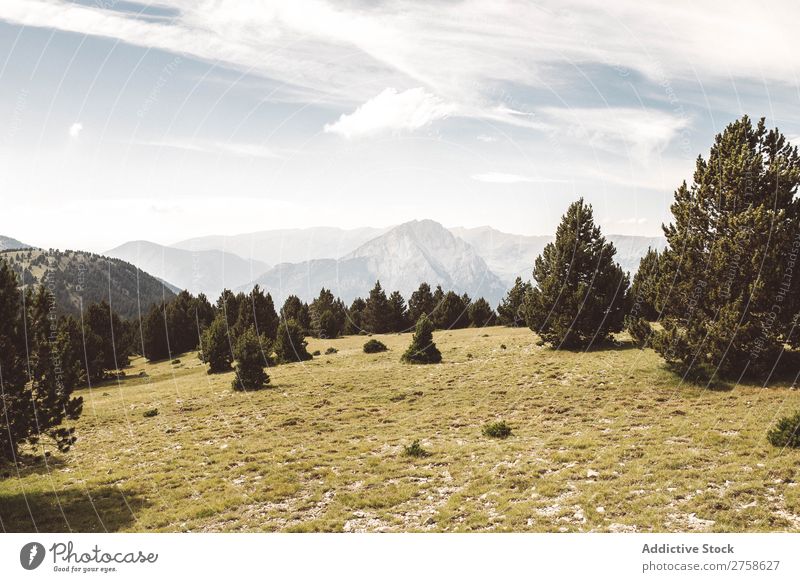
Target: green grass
{"points": [[603, 441]]}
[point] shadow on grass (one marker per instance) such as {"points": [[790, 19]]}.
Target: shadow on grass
{"points": [[27, 464], [98, 509]]}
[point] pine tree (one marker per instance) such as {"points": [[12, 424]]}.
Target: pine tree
{"points": [[452, 312], [511, 311], [398, 314], [216, 345], [294, 308], [644, 294], [155, 342], [355, 317], [728, 277], [421, 303], [257, 310], [107, 325], [422, 349], [228, 304], [32, 406], [330, 309], [203, 313], [481, 313], [181, 324], [580, 297], [376, 313], [291, 343], [250, 361]]}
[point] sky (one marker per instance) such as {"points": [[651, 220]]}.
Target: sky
{"points": [[161, 121]]}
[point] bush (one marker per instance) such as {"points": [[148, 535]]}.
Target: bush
{"points": [[316, 353], [786, 432], [422, 349], [250, 361], [415, 450], [150, 413], [374, 346], [216, 348], [640, 330], [497, 430], [291, 343], [330, 351]]}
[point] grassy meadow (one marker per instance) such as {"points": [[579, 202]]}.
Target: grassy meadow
{"points": [[602, 441]]}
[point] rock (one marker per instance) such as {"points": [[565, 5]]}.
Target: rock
{"points": [[600, 509], [592, 473]]}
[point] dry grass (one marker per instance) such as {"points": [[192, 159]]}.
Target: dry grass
{"points": [[603, 441]]}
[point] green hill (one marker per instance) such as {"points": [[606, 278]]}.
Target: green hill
{"points": [[78, 278]]}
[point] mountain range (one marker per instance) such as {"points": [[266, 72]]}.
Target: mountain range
{"points": [[198, 271], [400, 258], [479, 261]]}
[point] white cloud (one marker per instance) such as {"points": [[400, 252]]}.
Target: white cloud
{"points": [[75, 130], [501, 178], [459, 51], [635, 132], [391, 111], [246, 150]]}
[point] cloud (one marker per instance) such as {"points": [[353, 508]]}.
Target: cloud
{"points": [[246, 150], [460, 51], [393, 112], [501, 178], [75, 130], [636, 132]]}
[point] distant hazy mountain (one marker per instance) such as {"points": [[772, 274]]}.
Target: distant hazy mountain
{"points": [[78, 279], [401, 259], [7, 243], [292, 245], [513, 255], [202, 271]]}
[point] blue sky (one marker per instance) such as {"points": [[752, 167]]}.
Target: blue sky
{"points": [[165, 120]]}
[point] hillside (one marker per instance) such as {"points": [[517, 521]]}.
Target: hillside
{"points": [[8, 243], [605, 441], [78, 278], [401, 259], [202, 271]]}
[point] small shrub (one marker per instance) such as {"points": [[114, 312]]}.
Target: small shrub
{"points": [[786, 433], [497, 430], [374, 346], [422, 349], [176, 361], [316, 353], [415, 450], [502, 346], [640, 330], [150, 413], [250, 374], [469, 356], [330, 351]]}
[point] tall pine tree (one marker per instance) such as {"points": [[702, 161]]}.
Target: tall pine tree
{"points": [[729, 276], [580, 293]]}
